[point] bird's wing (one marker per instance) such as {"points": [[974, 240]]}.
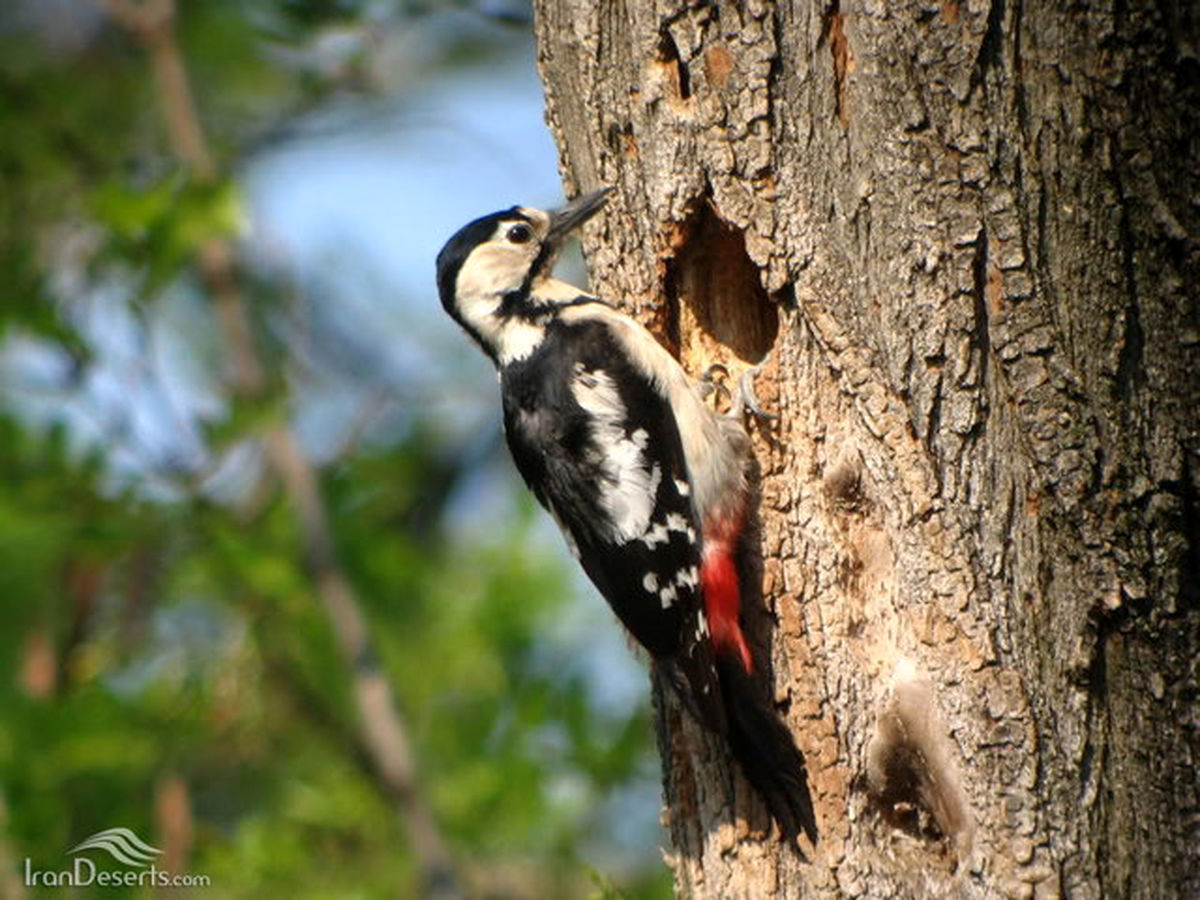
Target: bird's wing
{"points": [[600, 448]]}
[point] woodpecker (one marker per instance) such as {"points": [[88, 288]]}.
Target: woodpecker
{"points": [[647, 483]]}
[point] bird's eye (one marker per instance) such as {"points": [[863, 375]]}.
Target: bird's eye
{"points": [[520, 233]]}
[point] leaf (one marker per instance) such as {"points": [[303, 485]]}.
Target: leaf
{"points": [[160, 228]]}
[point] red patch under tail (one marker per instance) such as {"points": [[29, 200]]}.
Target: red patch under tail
{"points": [[759, 739], [722, 599]]}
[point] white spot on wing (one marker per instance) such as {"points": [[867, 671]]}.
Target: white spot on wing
{"points": [[650, 582], [598, 395], [628, 482], [655, 535], [676, 522], [682, 487], [667, 595]]}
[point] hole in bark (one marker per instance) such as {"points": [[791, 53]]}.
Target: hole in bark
{"points": [[904, 771], [668, 54], [844, 488], [714, 281], [911, 778]]}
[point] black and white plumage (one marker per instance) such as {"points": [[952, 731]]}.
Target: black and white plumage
{"points": [[646, 482], [600, 450]]}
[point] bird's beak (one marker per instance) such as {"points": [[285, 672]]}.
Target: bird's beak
{"points": [[565, 220]]}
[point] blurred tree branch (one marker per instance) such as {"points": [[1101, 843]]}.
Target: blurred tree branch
{"points": [[383, 732], [12, 886]]}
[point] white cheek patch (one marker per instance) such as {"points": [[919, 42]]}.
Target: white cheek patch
{"points": [[491, 271], [478, 310]]}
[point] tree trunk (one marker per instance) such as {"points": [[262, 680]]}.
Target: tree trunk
{"points": [[966, 235]]}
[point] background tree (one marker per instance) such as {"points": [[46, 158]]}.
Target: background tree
{"points": [[967, 236], [244, 620]]}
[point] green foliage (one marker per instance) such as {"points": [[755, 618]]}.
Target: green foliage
{"points": [[160, 631], [162, 227]]}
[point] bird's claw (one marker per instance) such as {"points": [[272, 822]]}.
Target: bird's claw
{"points": [[743, 400], [746, 400], [707, 384]]}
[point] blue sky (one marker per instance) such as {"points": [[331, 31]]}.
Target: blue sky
{"points": [[470, 143]]}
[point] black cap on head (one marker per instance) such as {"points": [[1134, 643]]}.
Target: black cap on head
{"points": [[459, 247]]}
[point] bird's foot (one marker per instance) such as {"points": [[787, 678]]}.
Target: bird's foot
{"points": [[745, 400]]}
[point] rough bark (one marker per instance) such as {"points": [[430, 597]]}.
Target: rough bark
{"points": [[967, 234]]}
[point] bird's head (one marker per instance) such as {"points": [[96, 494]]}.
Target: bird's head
{"points": [[489, 271]]}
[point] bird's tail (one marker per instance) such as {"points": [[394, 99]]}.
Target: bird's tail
{"points": [[766, 751]]}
